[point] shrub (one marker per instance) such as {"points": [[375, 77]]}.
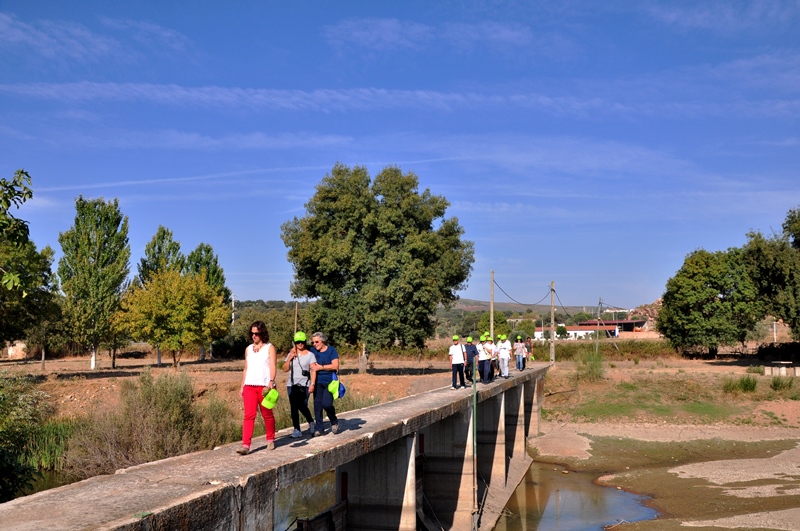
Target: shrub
{"points": [[748, 384], [730, 385], [756, 369], [781, 383], [590, 367], [157, 419]]}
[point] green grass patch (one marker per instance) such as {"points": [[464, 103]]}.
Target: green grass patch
{"points": [[756, 369], [595, 411], [709, 410]]}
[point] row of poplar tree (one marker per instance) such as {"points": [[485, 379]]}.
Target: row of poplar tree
{"points": [[174, 302]]}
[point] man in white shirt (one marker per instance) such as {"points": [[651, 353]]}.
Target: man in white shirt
{"points": [[504, 354], [456, 354]]}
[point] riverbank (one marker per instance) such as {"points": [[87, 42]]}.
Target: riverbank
{"points": [[714, 476]]}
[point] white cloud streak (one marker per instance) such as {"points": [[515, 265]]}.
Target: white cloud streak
{"points": [[726, 16]]}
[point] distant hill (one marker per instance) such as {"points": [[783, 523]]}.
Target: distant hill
{"points": [[472, 305]]}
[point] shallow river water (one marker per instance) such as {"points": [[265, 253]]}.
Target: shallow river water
{"points": [[549, 499]]}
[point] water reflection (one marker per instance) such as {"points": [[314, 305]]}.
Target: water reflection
{"points": [[304, 500], [548, 499]]}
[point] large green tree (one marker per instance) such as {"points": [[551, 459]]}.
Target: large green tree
{"points": [[175, 311], [93, 269], [21, 310], [379, 256], [774, 265], [711, 301], [203, 260], [161, 252]]}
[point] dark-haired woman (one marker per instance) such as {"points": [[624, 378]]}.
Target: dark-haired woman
{"points": [[301, 379], [258, 377]]}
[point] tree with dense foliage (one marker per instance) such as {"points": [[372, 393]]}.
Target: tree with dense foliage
{"points": [[369, 252], [161, 252], [13, 231], [175, 311], [711, 301], [21, 310], [93, 269], [203, 259], [774, 265], [501, 325]]}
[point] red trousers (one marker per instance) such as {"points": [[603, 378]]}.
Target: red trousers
{"points": [[251, 396]]}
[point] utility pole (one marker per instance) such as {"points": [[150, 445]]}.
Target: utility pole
{"points": [[491, 308], [552, 321]]}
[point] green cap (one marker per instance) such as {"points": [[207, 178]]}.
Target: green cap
{"points": [[519, 337], [455, 338], [270, 399], [469, 339], [300, 336]]}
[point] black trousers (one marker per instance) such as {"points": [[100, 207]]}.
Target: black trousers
{"points": [[298, 400]]}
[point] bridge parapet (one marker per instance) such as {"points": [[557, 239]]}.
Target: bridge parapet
{"points": [[412, 458]]}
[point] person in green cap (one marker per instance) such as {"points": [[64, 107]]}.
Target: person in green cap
{"points": [[519, 353], [457, 355], [301, 379], [472, 353]]}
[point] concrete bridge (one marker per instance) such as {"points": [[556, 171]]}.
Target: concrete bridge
{"points": [[403, 465]]}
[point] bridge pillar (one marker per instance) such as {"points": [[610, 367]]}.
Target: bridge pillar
{"points": [[447, 479], [491, 443], [515, 422], [380, 488]]}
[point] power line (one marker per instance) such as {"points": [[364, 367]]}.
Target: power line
{"points": [[522, 303]]}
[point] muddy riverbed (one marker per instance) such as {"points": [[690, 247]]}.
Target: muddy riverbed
{"points": [[703, 477]]}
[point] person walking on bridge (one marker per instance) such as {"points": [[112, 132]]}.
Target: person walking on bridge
{"points": [[520, 352], [301, 379], [260, 368], [457, 354], [504, 354], [326, 366], [472, 354]]}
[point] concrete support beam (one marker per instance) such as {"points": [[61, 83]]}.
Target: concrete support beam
{"points": [[491, 443], [380, 488], [515, 422], [447, 479]]}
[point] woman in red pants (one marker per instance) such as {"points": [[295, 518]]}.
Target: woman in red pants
{"points": [[260, 367]]}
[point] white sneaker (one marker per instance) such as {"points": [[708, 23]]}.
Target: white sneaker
{"points": [[296, 434]]}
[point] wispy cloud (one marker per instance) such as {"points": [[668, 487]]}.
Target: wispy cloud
{"points": [[653, 98], [55, 40], [726, 16], [149, 34], [391, 34], [64, 41], [379, 34], [174, 139]]}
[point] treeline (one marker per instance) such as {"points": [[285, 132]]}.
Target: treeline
{"points": [[89, 302], [720, 298]]}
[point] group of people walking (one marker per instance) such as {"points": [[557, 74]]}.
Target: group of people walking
{"points": [[310, 370], [491, 358]]}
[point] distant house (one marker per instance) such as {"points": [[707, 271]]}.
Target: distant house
{"points": [[623, 325], [579, 331], [16, 350]]}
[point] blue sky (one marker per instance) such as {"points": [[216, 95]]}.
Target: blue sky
{"points": [[590, 143]]}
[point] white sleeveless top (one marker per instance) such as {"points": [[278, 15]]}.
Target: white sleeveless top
{"points": [[257, 366]]}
